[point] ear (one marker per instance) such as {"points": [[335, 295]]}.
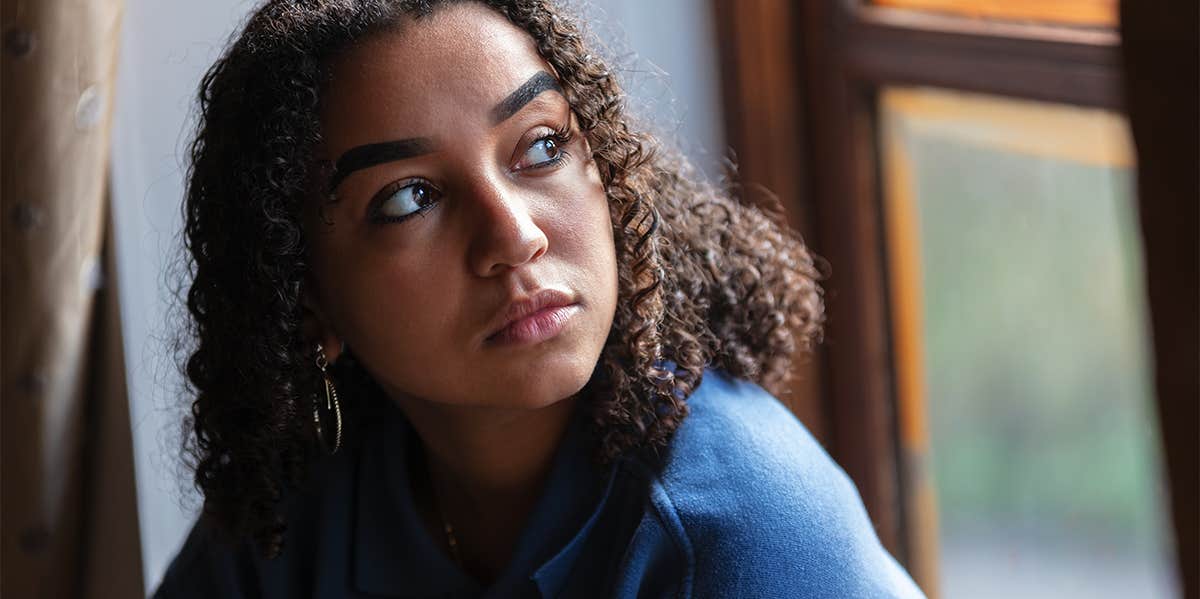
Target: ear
{"points": [[316, 325]]}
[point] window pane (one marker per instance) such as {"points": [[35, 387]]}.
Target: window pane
{"points": [[1014, 226], [1095, 13]]}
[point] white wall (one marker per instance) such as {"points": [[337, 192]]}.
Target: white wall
{"points": [[167, 45], [665, 52]]}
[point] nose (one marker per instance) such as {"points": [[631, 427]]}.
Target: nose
{"points": [[505, 234]]}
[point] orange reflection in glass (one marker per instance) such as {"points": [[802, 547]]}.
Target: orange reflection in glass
{"points": [[1092, 13]]}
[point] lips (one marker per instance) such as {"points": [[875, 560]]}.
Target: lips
{"points": [[533, 317]]}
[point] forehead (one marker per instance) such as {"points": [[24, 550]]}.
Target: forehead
{"points": [[426, 75]]}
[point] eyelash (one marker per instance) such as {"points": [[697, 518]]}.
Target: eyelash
{"points": [[389, 190], [561, 137]]}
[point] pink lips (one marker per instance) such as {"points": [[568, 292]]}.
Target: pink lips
{"points": [[535, 318], [539, 326]]}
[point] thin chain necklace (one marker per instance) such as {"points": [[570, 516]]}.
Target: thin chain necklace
{"points": [[451, 540]]}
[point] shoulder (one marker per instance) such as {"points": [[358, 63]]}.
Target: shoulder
{"points": [[762, 506], [743, 436], [211, 564], [206, 566]]}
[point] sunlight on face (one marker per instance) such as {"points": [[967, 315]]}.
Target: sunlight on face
{"points": [[462, 186]]}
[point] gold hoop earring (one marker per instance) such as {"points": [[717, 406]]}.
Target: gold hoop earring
{"points": [[331, 405]]}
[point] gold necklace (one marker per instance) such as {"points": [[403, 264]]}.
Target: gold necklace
{"points": [[452, 541]]}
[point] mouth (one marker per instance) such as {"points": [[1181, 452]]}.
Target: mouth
{"points": [[534, 318], [540, 326]]}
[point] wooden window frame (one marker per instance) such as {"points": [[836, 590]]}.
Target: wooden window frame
{"points": [[799, 87]]}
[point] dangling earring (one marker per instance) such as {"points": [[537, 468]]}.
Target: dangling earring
{"points": [[331, 404]]}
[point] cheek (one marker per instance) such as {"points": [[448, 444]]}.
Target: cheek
{"points": [[593, 250], [582, 229], [395, 315]]}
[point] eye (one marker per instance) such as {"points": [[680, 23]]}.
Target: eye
{"points": [[402, 199], [545, 151], [542, 151]]}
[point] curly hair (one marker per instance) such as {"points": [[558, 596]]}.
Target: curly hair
{"points": [[704, 278]]}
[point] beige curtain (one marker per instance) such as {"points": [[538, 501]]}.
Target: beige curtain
{"points": [[69, 517]]}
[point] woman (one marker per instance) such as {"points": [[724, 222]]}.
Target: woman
{"points": [[461, 331]]}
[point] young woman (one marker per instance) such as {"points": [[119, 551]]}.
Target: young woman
{"points": [[461, 331]]}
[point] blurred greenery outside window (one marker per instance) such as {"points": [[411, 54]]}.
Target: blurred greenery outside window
{"points": [[1015, 222]]}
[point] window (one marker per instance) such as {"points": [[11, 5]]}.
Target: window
{"points": [[1019, 327], [966, 168]]}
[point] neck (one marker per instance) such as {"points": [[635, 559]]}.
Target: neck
{"points": [[486, 470], [486, 454]]}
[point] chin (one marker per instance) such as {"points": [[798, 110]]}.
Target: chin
{"points": [[539, 383]]}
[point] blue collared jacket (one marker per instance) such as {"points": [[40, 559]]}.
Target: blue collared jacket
{"points": [[743, 503]]}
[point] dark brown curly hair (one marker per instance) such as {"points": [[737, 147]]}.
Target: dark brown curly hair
{"points": [[705, 280]]}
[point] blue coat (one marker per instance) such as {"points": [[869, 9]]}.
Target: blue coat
{"points": [[744, 503]]}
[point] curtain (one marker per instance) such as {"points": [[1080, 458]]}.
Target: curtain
{"points": [[69, 517]]}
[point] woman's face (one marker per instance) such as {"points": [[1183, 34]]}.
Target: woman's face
{"points": [[462, 188]]}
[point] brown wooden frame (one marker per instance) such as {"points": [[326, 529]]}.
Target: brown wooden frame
{"points": [[766, 135], [896, 47], [800, 83], [1161, 55]]}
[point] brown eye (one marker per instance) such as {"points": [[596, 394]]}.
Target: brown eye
{"points": [[402, 200], [545, 151]]}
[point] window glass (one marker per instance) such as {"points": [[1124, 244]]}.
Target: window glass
{"points": [[1020, 318], [1094, 13]]}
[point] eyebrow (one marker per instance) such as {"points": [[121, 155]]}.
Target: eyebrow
{"points": [[540, 82], [368, 155]]}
